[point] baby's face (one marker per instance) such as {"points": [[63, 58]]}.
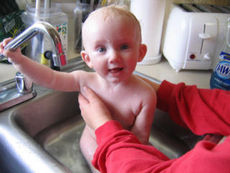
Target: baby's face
{"points": [[113, 47]]}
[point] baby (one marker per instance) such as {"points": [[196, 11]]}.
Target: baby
{"points": [[112, 47]]}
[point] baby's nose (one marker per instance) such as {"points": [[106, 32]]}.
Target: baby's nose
{"points": [[114, 56]]}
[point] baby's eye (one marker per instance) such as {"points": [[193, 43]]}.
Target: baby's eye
{"points": [[124, 46], [101, 49]]}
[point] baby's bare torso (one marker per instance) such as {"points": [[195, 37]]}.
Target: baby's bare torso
{"points": [[124, 101]]}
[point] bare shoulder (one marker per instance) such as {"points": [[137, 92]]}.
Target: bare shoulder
{"points": [[84, 78], [143, 86], [146, 91], [81, 74]]}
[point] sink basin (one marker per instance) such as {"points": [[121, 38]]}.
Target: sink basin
{"points": [[42, 135]]}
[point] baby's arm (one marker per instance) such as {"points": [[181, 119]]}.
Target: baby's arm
{"points": [[41, 74], [143, 123]]}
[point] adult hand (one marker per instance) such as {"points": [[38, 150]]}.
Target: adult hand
{"points": [[93, 110]]}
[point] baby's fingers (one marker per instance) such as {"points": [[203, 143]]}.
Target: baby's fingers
{"points": [[4, 43]]}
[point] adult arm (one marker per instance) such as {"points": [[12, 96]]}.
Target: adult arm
{"points": [[201, 110], [120, 151]]}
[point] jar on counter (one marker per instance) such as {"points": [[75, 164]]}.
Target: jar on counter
{"points": [[55, 17], [81, 12]]}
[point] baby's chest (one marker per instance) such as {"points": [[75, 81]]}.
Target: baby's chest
{"points": [[124, 110]]}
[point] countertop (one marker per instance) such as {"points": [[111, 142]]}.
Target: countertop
{"points": [[163, 71], [160, 71], [7, 71]]}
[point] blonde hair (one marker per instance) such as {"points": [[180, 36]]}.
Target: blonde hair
{"points": [[114, 11]]}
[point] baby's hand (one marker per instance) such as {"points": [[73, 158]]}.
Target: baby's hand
{"points": [[12, 55]]}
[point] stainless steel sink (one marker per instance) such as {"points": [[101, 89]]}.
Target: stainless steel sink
{"points": [[42, 135]]}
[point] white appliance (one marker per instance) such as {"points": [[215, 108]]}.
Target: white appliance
{"points": [[150, 14], [194, 35]]}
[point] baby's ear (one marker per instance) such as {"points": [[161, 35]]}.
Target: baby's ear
{"points": [[86, 58], [142, 52]]}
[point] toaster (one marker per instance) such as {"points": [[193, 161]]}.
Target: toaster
{"points": [[194, 35]]}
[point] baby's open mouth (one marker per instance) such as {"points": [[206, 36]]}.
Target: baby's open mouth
{"points": [[115, 70]]}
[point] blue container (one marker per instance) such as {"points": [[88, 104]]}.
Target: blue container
{"points": [[220, 77]]}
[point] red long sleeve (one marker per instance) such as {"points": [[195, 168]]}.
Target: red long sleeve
{"points": [[201, 110], [120, 151]]}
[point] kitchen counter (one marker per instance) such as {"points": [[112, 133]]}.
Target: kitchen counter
{"points": [[7, 71], [163, 71]]}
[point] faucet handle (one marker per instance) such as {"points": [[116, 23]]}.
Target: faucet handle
{"points": [[24, 84]]}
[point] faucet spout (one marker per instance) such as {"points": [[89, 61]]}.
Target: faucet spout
{"points": [[58, 57], [24, 86]]}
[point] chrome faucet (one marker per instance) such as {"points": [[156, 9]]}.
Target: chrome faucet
{"points": [[24, 88], [58, 57]]}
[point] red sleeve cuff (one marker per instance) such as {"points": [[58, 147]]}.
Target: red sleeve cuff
{"points": [[106, 129]]}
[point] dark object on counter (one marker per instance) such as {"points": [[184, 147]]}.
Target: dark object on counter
{"points": [[48, 55], [10, 19], [5, 61], [88, 1], [7, 7], [11, 25]]}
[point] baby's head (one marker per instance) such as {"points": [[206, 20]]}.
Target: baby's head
{"points": [[107, 16], [112, 43]]}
